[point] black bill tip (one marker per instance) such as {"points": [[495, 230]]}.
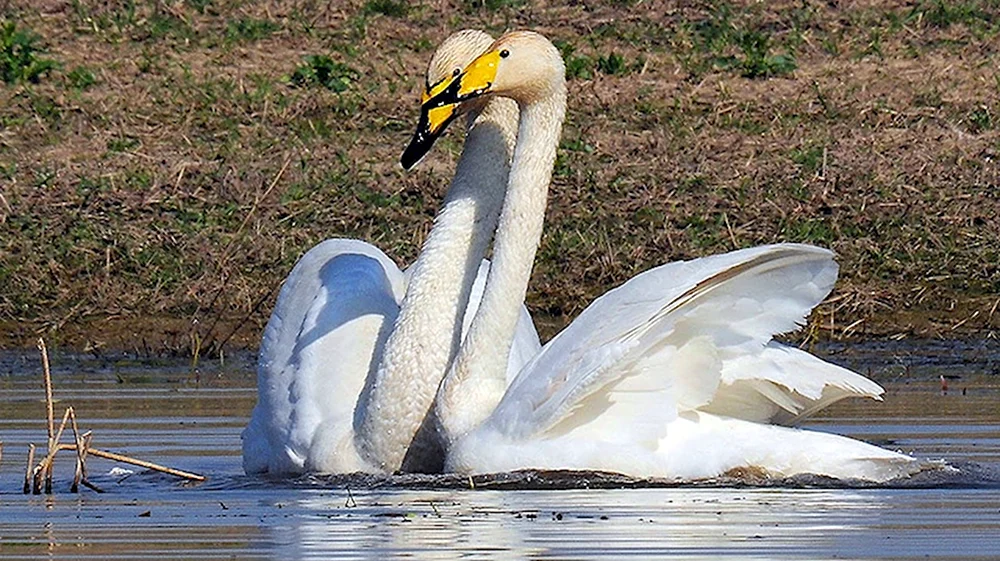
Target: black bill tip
{"points": [[419, 145], [423, 139]]}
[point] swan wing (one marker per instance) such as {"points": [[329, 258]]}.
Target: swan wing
{"points": [[782, 384], [656, 345], [332, 314]]}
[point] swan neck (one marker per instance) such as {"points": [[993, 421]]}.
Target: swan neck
{"points": [[426, 334], [477, 378]]}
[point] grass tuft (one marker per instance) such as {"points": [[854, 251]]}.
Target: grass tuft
{"points": [[492, 5], [19, 55], [81, 78], [323, 71], [249, 29], [757, 60], [391, 8]]}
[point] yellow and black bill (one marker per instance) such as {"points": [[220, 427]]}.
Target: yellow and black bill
{"points": [[440, 103], [433, 122]]}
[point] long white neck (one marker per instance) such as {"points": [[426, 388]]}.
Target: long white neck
{"points": [[477, 378], [427, 332]]}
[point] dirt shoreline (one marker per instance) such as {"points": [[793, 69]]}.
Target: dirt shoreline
{"points": [[163, 165], [173, 337]]}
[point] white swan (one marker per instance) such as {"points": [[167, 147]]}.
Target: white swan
{"points": [[673, 374], [348, 365]]}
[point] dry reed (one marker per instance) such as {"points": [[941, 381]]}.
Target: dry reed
{"points": [[39, 476]]}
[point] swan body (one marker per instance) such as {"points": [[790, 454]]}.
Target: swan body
{"points": [[355, 349], [673, 374], [331, 318]]}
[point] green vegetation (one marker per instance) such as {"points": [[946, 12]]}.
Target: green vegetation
{"points": [[168, 162], [980, 120], [584, 67], [726, 40], [323, 71], [945, 14], [250, 29], [492, 5], [19, 55], [757, 60], [81, 78], [391, 8]]}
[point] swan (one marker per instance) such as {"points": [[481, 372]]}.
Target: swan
{"points": [[355, 349], [673, 374]]}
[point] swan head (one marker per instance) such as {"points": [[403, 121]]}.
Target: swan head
{"points": [[520, 65], [448, 61]]}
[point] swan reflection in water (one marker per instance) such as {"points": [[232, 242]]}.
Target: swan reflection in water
{"points": [[689, 522]]}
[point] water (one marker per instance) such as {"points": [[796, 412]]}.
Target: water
{"points": [[166, 414]]}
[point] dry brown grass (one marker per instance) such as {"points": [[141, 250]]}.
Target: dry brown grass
{"points": [[160, 207]]}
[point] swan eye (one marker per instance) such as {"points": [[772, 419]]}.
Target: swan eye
{"points": [[504, 53], [456, 72]]}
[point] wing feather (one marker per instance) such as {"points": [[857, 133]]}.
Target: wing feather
{"points": [[783, 385], [670, 328]]}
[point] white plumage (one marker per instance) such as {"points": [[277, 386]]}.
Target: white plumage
{"points": [[355, 351], [673, 374], [322, 343]]}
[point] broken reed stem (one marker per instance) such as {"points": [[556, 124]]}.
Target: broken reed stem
{"points": [[27, 471], [81, 463], [137, 462], [35, 474], [81, 449], [91, 486], [48, 390], [49, 415], [45, 466]]}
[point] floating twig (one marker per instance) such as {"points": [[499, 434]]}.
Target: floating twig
{"points": [[140, 463]]}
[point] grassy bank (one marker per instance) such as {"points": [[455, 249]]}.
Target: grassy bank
{"points": [[163, 164]]}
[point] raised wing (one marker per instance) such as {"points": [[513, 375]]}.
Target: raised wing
{"points": [[655, 346]]}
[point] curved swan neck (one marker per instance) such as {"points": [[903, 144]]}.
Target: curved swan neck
{"points": [[477, 378], [427, 332]]}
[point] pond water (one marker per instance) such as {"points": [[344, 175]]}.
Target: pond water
{"points": [[190, 419]]}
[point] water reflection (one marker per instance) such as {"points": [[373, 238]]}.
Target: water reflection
{"points": [[197, 428], [687, 523]]}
